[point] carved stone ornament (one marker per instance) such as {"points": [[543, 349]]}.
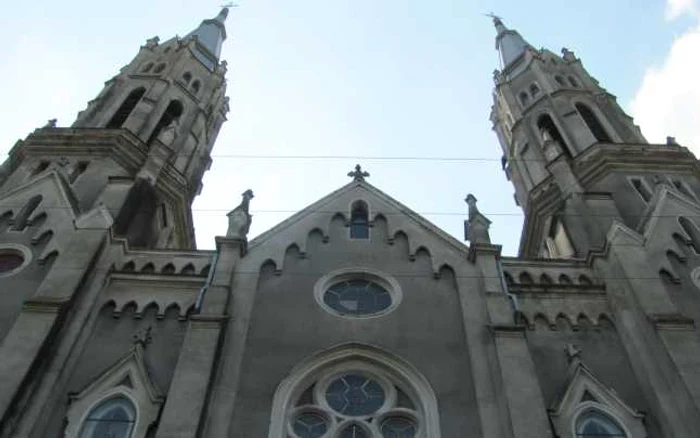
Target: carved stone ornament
{"points": [[51, 123], [168, 135], [239, 219], [152, 42]]}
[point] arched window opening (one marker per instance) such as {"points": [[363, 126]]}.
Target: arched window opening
{"points": [[22, 219], [681, 187], [560, 80], [565, 279], [126, 108], [147, 68], [172, 112], [195, 87], [595, 424], [641, 187], [573, 82], [558, 242], [546, 125], [593, 123], [187, 77], [524, 98], [359, 221], [354, 391], [534, 90], [114, 418], [546, 279], [159, 68], [692, 231]]}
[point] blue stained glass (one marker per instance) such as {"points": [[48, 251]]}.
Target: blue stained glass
{"points": [[355, 395], [353, 431], [595, 425], [357, 297], [398, 427], [310, 425]]}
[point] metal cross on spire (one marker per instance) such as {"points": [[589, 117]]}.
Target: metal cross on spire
{"points": [[358, 174]]}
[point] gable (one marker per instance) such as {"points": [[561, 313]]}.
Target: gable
{"points": [[420, 233]]}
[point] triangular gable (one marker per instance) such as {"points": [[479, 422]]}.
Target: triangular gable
{"points": [[582, 391], [370, 190], [127, 378], [130, 372]]}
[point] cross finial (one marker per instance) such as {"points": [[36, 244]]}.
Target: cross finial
{"points": [[143, 337], [572, 352], [358, 174], [494, 17]]}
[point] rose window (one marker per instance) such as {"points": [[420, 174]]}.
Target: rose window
{"points": [[354, 404]]}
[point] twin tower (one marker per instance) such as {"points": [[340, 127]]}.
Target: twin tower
{"points": [[137, 153]]}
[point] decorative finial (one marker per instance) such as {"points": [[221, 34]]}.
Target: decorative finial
{"points": [[239, 219], [143, 337], [671, 141], [471, 202], [572, 352], [51, 123], [152, 42], [358, 174], [496, 18]]}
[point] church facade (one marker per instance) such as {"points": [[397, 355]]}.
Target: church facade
{"points": [[355, 317]]}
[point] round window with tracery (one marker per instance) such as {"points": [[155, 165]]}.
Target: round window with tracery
{"points": [[10, 260], [358, 293], [354, 404]]}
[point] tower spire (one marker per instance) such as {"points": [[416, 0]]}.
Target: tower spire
{"points": [[509, 43], [210, 36]]}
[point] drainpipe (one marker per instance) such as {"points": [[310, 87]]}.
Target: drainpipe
{"points": [[207, 283], [504, 285]]}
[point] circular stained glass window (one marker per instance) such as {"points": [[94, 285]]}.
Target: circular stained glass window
{"points": [[353, 431], [10, 260], [357, 297], [398, 427], [355, 395], [310, 425]]}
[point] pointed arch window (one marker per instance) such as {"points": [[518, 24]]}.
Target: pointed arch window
{"points": [[593, 123], [359, 221], [114, 418], [545, 124], [126, 108], [560, 80], [147, 68], [195, 86], [172, 112], [159, 68], [187, 77], [534, 90], [524, 98], [573, 82], [595, 424]]}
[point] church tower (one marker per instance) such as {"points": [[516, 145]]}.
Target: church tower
{"points": [[136, 155], [576, 159]]}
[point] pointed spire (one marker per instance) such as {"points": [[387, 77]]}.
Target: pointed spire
{"points": [[509, 43], [210, 36]]}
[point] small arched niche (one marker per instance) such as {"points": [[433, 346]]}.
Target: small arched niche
{"points": [[359, 220], [593, 123], [546, 125]]}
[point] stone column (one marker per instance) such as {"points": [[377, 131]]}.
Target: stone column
{"points": [[21, 349], [189, 389]]}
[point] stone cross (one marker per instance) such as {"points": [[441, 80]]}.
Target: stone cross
{"points": [[572, 352], [358, 174], [143, 337]]}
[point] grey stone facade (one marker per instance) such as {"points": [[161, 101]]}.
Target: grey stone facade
{"points": [[106, 304]]}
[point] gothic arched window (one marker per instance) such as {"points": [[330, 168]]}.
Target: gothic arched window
{"points": [[195, 86], [172, 112], [354, 391], [524, 98], [159, 68], [359, 221], [595, 424], [546, 124], [573, 82], [187, 77], [593, 123], [559, 80], [534, 90], [126, 108], [147, 68], [114, 418]]}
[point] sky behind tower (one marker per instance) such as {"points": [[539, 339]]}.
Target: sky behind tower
{"points": [[401, 87]]}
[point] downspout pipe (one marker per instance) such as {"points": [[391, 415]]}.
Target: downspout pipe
{"points": [[207, 283], [504, 286]]}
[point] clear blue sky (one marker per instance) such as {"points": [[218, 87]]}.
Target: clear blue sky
{"points": [[379, 78]]}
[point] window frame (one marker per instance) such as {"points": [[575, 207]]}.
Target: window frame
{"points": [[644, 183], [100, 402], [369, 222]]}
